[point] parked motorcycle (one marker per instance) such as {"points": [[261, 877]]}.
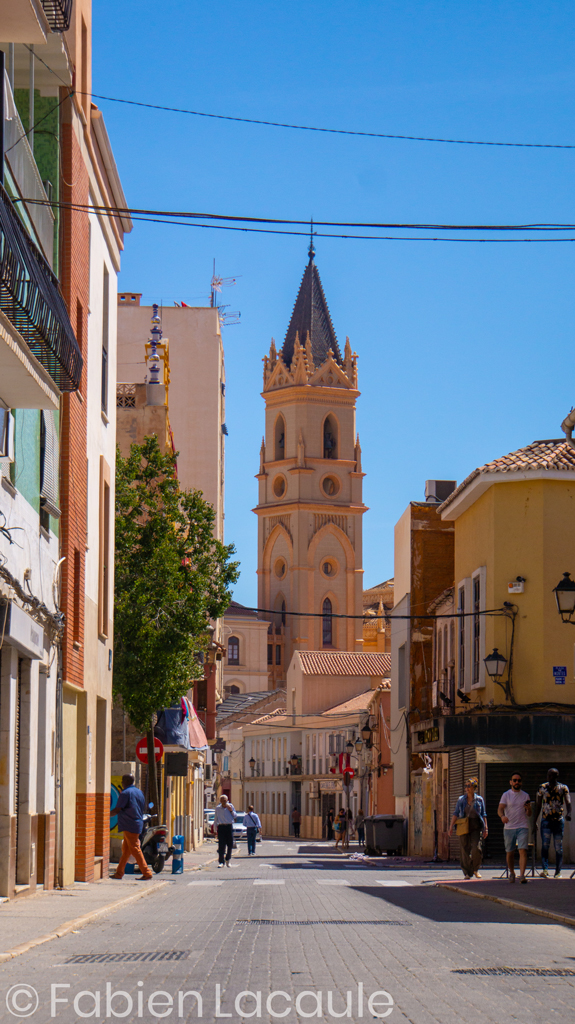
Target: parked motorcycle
{"points": [[154, 843]]}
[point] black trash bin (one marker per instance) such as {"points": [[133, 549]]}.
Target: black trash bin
{"points": [[384, 833]]}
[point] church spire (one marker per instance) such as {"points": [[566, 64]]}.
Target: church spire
{"points": [[311, 315]]}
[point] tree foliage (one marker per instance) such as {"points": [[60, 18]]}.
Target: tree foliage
{"points": [[171, 577]]}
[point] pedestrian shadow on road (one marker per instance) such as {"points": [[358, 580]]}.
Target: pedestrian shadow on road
{"points": [[439, 904]]}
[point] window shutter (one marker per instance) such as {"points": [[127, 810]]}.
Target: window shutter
{"points": [[50, 465]]}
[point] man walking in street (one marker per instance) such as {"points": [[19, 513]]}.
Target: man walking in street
{"points": [[130, 808], [253, 826], [551, 797], [515, 810], [223, 823], [296, 822]]}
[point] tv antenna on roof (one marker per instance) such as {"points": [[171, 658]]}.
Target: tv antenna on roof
{"points": [[216, 285]]}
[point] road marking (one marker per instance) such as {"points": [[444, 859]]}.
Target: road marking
{"points": [[269, 881], [214, 882], [331, 881], [392, 882]]}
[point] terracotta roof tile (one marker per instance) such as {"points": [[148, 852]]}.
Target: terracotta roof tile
{"points": [[345, 663], [556, 455], [359, 703]]}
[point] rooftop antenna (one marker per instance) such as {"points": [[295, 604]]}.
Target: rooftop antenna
{"points": [[311, 250], [217, 283]]}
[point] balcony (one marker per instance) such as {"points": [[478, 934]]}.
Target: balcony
{"points": [[31, 301], [58, 14], [23, 21]]}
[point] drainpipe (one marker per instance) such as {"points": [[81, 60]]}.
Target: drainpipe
{"points": [[59, 853]]}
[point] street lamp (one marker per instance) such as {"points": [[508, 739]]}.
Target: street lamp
{"points": [[565, 597], [495, 663], [366, 734], [294, 763], [349, 747], [358, 745], [252, 764]]}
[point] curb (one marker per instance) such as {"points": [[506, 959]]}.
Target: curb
{"points": [[512, 904], [78, 922]]}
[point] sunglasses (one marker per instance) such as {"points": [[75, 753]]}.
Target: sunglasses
{"points": [[516, 780]]}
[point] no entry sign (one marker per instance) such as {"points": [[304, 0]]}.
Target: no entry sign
{"points": [[142, 750]]}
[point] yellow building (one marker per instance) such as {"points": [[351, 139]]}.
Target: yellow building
{"points": [[310, 487], [514, 539]]}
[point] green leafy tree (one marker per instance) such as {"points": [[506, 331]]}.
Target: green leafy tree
{"points": [[171, 577]]}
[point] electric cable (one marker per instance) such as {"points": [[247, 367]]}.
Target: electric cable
{"points": [[305, 127], [194, 215]]}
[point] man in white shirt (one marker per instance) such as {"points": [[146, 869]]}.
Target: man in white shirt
{"points": [[515, 811], [223, 822]]}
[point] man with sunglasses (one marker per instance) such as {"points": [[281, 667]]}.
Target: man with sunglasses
{"points": [[515, 811]]}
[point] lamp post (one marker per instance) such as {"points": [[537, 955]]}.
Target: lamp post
{"points": [[495, 664], [252, 764], [294, 763], [565, 597]]}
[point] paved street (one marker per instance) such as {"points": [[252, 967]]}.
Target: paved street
{"points": [[299, 918]]}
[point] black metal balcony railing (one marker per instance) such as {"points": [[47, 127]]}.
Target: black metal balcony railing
{"points": [[58, 14], [32, 301]]}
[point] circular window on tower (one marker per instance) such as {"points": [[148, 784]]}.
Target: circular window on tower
{"points": [[280, 568], [330, 485], [329, 567], [280, 486]]}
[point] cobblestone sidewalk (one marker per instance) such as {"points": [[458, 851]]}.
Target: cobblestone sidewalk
{"points": [[26, 920]]}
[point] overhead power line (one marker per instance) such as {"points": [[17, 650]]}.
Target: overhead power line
{"points": [[159, 217], [328, 131], [307, 127]]}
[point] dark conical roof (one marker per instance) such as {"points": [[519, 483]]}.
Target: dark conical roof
{"points": [[310, 313]]}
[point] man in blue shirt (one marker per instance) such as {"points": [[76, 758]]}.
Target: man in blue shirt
{"points": [[130, 808]]}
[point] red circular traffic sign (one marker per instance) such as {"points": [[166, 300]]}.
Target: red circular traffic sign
{"points": [[349, 772], [142, 749]]}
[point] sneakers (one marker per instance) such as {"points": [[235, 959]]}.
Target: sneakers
{"points": [[544, 873], [511, 876], [220, 865], [557, 874], [227, 863], [477, 875]]}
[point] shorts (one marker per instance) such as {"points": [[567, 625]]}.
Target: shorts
{"points": [[513, 836]]}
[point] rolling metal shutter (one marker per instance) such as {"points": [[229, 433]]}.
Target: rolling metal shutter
{"points": [[497, 782], [455, 791]]}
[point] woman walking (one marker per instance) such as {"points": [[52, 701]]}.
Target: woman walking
{"points": [[340, 828], [470, 821], [329, 824], [253, 826]]}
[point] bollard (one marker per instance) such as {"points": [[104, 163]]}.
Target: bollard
{"points": [[178, 855]]}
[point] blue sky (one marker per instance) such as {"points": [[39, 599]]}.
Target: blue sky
{"points": [[465, 351]]}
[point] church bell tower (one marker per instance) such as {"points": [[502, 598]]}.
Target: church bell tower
{"points": [[310, 488]]}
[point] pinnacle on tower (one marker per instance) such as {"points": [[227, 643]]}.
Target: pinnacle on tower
{"points": [[311, 316]]}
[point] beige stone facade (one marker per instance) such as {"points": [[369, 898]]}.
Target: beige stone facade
{"points": [[310, 504]]}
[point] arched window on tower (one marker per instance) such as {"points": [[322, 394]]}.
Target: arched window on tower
{"points": [[233, 650], [280, 439], [329, 438], [326, 624]]}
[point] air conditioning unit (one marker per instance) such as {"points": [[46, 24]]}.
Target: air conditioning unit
{"points": [[437, 491]]}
